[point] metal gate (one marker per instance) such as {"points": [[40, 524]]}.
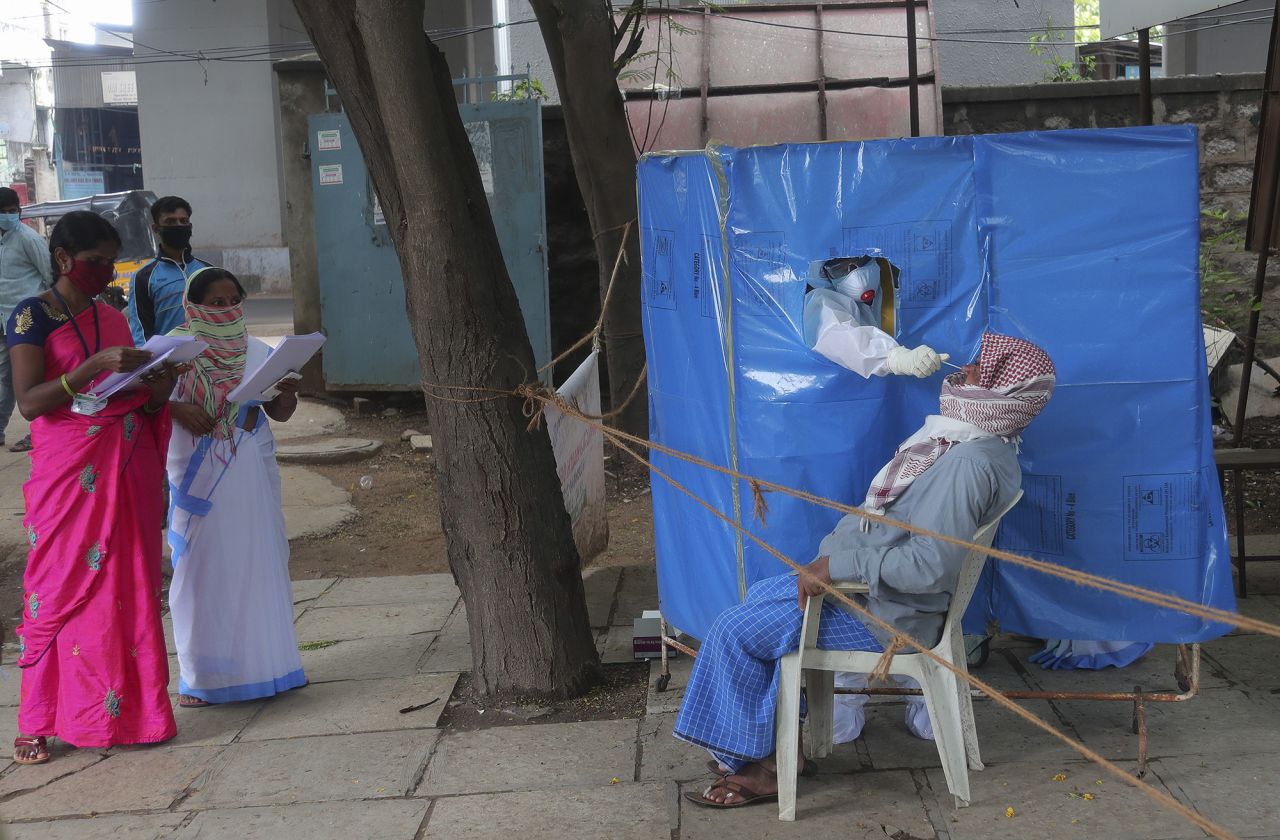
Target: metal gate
{"points": [[362, 304]]}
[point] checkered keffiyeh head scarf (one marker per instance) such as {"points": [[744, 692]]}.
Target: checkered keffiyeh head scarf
{"points": [[1015, 382]]}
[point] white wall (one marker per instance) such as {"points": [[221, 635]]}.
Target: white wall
{"points": [[210, 131], [527, 48], [1240, 47]]}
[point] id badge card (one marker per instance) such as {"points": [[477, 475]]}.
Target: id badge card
{"points": [[88, 405]]}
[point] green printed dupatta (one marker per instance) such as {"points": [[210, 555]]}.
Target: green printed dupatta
{"points": [[218, 370]]}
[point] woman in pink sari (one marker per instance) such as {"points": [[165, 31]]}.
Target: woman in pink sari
{"points": [[92, 649]]}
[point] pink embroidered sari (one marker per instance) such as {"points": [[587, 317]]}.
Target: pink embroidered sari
{"points": [[95, 672]]}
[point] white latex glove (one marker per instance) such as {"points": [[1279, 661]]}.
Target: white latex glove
{"points": [[920, 362]]}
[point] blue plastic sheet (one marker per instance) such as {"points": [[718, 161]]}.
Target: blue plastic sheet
{"points": [[1085, 242]]}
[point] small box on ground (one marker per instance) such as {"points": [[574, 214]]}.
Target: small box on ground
{"points": [[646, 636]]}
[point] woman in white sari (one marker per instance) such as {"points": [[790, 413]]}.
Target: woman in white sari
{"points": [[230, 597]]}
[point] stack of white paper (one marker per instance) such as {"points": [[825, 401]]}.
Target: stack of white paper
{"points": [[163, 348]]}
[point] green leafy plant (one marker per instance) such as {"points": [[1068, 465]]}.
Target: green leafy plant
{"points": [[525, 89], [1223, 296], [1047, 46]]}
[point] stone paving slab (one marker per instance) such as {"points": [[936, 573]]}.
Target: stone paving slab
{"points": [[865, 806], [313, 505], [1045, 808], [312, 418], [367, 659], [451, 650], [66, 760], [1253, 660], [325, 769], [9, 731], [144, 779], [1154, 672], [614, 645], [1218, 721], [1001, 736], [398, 589], [339, 708], [1262, 607], [169, 646], [617, 812], [536, 757], [663, 758], [381, 819], [10, 685], [670, 699], [111, 827], [1238, 795], [601, 584], [216, 725], [309, 590], [346, 623], [637, 592]]}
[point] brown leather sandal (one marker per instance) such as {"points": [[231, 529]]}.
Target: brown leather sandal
{"points": [[744, 797], [36, 745]]}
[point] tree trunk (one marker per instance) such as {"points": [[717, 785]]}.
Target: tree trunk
{"points": [[579, 39], [509, 540]]}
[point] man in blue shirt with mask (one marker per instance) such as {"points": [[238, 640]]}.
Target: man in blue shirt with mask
{"points": [[155, 298], [25, 270]]}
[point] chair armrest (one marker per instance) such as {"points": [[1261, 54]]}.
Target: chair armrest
{"points": [[851, 587]]}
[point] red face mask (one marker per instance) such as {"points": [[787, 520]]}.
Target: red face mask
{"points": [[90, 278]]}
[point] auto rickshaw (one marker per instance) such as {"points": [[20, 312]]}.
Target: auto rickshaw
{"points": [[129, 212]]}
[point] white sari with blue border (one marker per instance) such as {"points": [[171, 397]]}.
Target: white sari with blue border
{"points": [[230, 597]]}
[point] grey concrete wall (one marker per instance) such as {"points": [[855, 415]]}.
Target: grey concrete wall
{"points": [[968, 64], [528, 49], [210, 131], [1240, 47], [1225, 111]]}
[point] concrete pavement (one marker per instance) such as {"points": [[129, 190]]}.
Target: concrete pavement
{"points": [[338, 758]]}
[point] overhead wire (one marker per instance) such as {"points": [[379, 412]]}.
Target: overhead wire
{"points": [[269, 52]]}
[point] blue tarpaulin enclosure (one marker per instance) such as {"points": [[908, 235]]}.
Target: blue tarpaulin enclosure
{"points": [[1085, 242]]}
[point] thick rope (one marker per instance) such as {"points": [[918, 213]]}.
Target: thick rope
{"points": [[540, 393], [537, 393], [880, 673], [992, 693], [594, 335], [1127, 590]]}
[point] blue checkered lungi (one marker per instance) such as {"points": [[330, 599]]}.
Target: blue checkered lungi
{"points": [[732, 697]]}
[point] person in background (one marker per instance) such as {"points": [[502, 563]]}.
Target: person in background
{"points": [[841, 322], [24, 271], [155, 297], [91, 645], [230, 597]]}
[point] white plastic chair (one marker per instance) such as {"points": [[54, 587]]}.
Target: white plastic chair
{"points": [[946, 696]]}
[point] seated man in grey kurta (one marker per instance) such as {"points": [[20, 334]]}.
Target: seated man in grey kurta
{"points": [[950, 477]]}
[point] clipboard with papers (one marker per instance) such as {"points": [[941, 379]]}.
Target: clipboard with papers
{"points": [[288, 357], [177, 350]]}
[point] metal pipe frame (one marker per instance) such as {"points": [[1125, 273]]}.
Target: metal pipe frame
{"points": [[1186, 672]]}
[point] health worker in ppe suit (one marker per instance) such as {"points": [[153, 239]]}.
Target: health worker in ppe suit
{"points": [[842, 323]]}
